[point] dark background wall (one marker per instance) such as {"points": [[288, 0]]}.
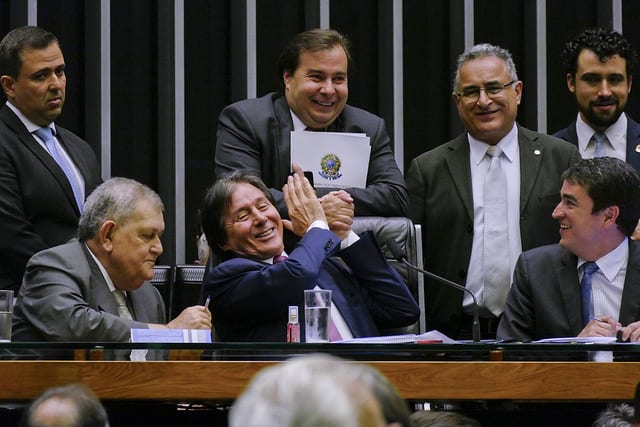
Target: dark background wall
{"points": [[173, 152]]}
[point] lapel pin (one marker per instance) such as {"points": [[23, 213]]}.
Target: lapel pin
{"points": [[637, 148], [538, 152]]}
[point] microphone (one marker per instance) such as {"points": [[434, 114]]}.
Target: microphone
{"points": [[400, 255]]}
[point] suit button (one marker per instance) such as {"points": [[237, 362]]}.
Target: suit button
{"points": [[462, 274], [469, 228]]}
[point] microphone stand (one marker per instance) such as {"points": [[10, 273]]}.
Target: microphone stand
{"points": [[400, 255]]}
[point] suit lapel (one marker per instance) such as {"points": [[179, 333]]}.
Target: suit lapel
{"points": [[630, 304], [457, 160], [28, 140], [567, 279], [281, 133], [531, 153], [633, 143]]}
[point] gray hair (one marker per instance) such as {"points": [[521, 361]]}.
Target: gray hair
{"points": [[89, 412], [116, 200], [616, 415], [301, 392], [480, 51]]}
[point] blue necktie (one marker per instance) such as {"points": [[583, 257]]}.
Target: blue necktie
{"points": [[599, 139], [588, 269], [46, 135]]}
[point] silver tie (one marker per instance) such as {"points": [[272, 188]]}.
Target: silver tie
{"points": [[123, 310], [599, 140], [496, 240]]}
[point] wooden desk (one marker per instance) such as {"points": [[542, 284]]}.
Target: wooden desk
{"points": [[224, 380]]}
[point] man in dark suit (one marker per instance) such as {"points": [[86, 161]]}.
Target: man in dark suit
{"points": [[96, 288], [38, 206], [448, 187], [599, 65], [255, 134], [551, 295], [251, 291]]}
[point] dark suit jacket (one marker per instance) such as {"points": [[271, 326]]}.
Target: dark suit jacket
{"points": [[250, 298], [633, 140], [37, 207], [255, 135], [64, 297], [545, 298], [441, 199]]}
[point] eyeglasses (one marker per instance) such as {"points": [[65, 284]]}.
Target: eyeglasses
{"points": [[472, 93]]}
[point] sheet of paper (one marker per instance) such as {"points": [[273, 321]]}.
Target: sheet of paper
{"points": [[170, 335], [592, 340], [431, 336], [336, 159]]}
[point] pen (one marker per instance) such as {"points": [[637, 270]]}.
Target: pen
{"points": [[207, 301], [598, 319]]}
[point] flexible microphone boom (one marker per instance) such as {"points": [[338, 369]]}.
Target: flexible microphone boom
{"points": [[400, 255]]}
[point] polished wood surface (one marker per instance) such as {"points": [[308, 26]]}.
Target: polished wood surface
{"points": [[224, 380]]}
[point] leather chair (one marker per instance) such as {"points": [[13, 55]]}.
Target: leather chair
{"points": [[187, 284], [163, 281], [409, 238]]}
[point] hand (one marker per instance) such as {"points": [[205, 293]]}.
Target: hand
{"points": [[631, 332], [303, 205], [604, 326], [194, 317], [636, 233], [339, 210]]}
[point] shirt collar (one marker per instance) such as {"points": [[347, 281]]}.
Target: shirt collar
{"points": [[106, 276], [297, 123], [615, 133], [612, 262], [508, 144], [31, 127], [270, 260]]}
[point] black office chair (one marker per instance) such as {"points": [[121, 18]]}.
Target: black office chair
{"points": [[163, 282], [187, 282], [409, 237]]}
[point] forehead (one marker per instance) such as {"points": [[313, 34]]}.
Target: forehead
{"points": [[334, 59], [575, 190], [482, 70], [49, 57], [244, 194], [146, 214], [589, 62]]}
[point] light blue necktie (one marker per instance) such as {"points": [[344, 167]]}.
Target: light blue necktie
{"points": [[599, 139], [588, 269], [46, 135]]}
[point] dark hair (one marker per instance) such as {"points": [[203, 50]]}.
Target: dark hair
{"points": [[89, 411], [609, 182], [603, 42], [16, 41], [215, 203], [312, 41]]}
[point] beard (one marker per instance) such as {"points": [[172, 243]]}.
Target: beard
{"points": [[599, 119]]}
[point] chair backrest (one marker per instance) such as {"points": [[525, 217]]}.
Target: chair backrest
{"points": [[163, 282], [187, 285], [409, 237]]}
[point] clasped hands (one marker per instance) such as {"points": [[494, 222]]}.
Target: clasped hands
{"points": [[335, 208]]}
